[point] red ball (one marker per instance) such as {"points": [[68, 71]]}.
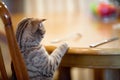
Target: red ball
{"points": [[105, 10]]}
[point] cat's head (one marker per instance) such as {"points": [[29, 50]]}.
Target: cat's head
{"points": [[30, 32]]}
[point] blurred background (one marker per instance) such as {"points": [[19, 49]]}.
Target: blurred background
{"points": [[68, 8]]}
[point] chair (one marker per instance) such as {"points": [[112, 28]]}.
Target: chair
{"points": [[16, 57]]}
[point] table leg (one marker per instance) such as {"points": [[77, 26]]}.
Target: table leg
{"points": [[98, 74], [64, 73], [107, 74]]}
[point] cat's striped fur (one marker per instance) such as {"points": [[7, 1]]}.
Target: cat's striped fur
{"points": [[40, 65]]}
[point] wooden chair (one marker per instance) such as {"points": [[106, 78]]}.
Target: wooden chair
{"points": [[16, 57]]}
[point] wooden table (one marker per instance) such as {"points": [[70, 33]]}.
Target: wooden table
{"points": [[103, 59], [105, 62]]}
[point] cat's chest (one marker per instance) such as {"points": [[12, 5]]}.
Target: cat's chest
{"points": [[37, 53], [35, 57], [31, 52]]}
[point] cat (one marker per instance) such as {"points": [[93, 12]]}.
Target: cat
{"points": [[40, 64]]}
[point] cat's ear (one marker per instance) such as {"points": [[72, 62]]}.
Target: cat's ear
{"points": [[36, 23]]}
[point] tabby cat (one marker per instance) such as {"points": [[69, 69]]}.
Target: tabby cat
{"points": [[40, 64]]}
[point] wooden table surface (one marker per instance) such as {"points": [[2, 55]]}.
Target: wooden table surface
{"points": [[60, 26]]}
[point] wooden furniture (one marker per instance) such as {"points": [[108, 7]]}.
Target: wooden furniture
{"points": [[104, 61], [17, 60], [90, 58]]}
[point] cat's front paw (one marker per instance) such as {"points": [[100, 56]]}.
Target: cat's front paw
{"points": [[64, 46]]}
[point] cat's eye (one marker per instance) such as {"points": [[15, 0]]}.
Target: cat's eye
{"points": [[41, 32], [41, 28]]}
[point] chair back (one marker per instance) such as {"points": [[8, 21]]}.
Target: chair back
{"points": [[16, 57]]}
